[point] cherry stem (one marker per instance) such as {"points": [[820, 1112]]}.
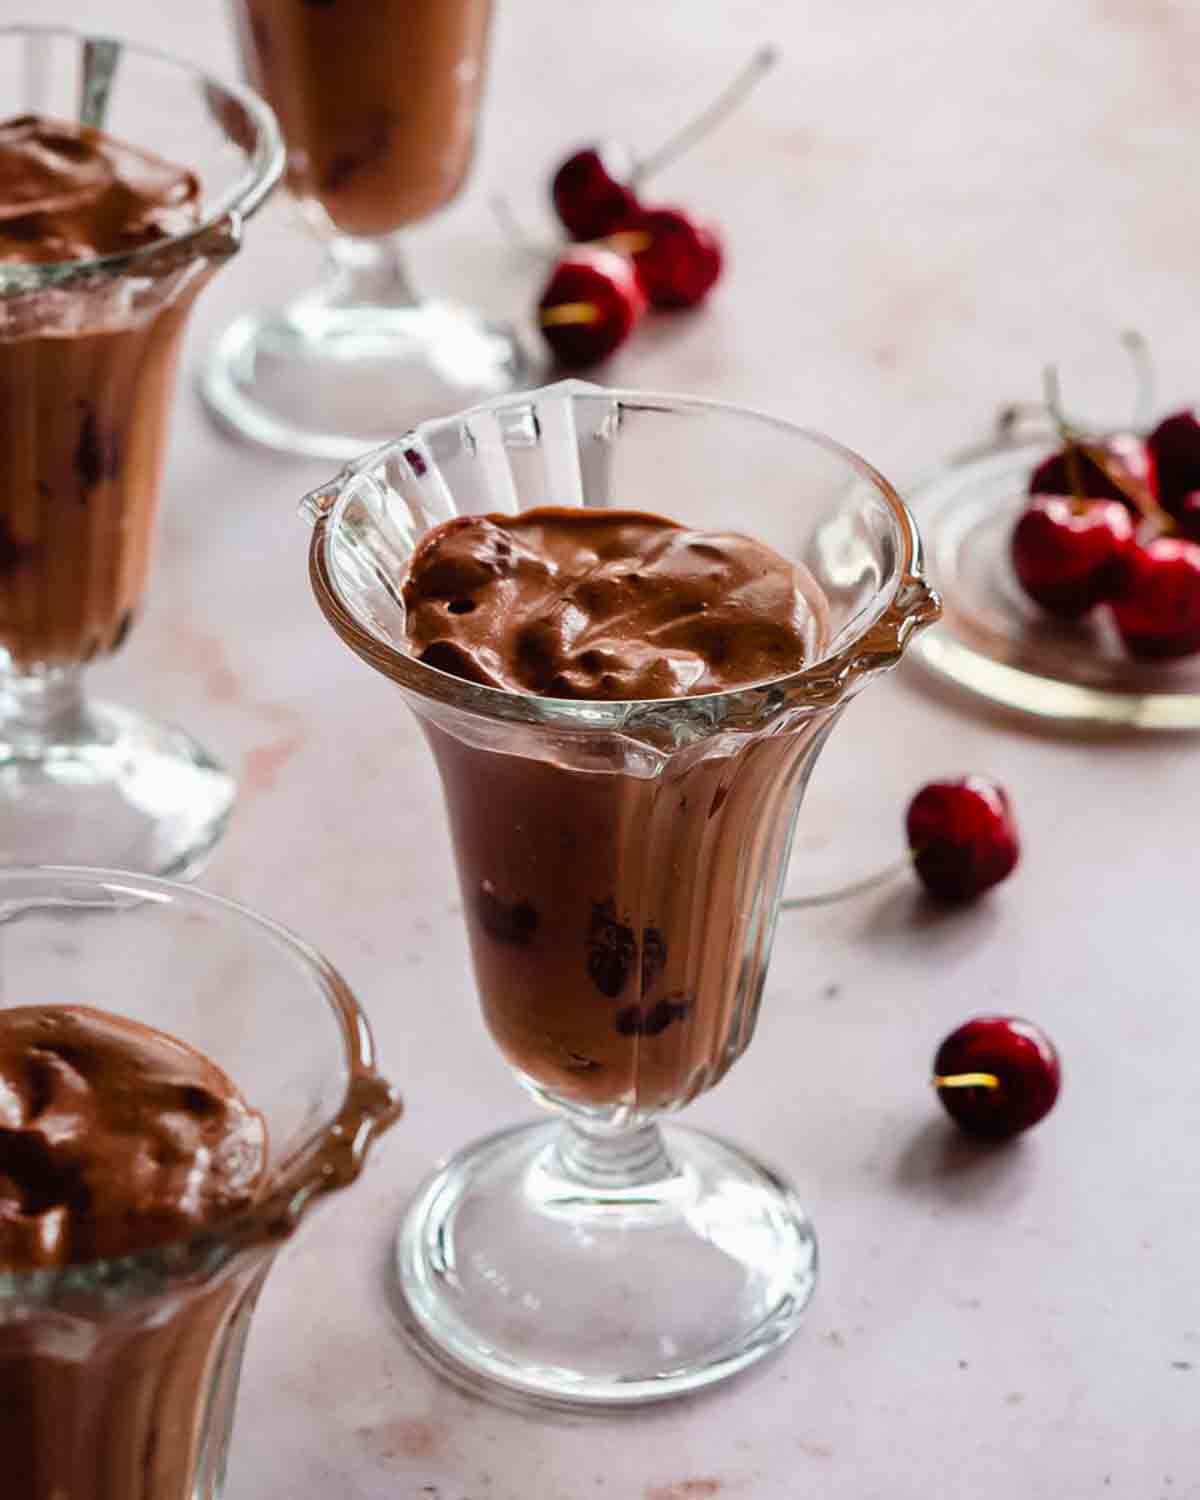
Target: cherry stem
{"points": [[516, 233], [1143, 378], [625, 241], [569, 312], [1078, 445], [855, 888], [965, 1081], [1052, 395], [707, 120], [1009, 418]]}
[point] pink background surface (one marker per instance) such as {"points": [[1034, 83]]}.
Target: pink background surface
{"points": [[923, 204]]}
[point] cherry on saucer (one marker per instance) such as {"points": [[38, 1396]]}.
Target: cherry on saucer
{"points": [[1117, 466], [1158, 609], [1175, 443], [1070, 554]]}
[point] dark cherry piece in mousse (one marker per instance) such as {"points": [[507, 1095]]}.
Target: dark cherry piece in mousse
{"points": [[589, 306], [1069, 554], [997, 1076], [963, 837]]}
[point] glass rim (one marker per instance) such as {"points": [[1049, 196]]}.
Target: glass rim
{"points": [[330, 1156], [903, 604], [264, 168]]}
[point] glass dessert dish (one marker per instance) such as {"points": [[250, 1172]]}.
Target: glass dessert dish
{"points": [[995, 644], [378, 102], [88, 350], [118, 1378], [621, 865]]}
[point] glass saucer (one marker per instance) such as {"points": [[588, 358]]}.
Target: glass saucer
{"points": [[996, 644]]}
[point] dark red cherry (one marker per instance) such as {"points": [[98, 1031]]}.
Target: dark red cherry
{"points": [[1187, 515], [997, 1076], [679, 260], [595, 189], [1175, 443], [589, 305], [963, 837], [1158, 610], [591, 192], [1117, 467], [1070, 555]]}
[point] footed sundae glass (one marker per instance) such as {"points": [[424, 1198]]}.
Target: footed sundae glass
{"points": [[88, 353], [118, 1377], [378, 101], [621, 866]]}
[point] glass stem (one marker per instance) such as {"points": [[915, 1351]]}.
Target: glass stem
{"points": [[43, 708], [606, 1158], [368, 273]]}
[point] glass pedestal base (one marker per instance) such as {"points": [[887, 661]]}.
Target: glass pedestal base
{"points": [[522, 1276], [329, 381], [112, 790]]}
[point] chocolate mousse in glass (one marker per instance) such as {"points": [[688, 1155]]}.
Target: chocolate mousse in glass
{"points": [[158, 1145], [125, 180], [624, 709], [378, 102]]}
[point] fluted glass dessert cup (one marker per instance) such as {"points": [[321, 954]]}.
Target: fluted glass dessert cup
{"points": [[88, 351], [621, 866], [118, 1378], [378, 101]]}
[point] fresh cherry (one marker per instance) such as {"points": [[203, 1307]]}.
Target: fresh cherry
{"points": [[589, 305], [962, 836], [595, 191], [590, 192], [1072, 554], [1119, 466], [1175, 443], [677, 260], [997, 1076], [1158, 610]]}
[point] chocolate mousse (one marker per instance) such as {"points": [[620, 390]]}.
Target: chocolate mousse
{"points": [[114, 1138], [615, 897], [603, 604], [86, 378], [377, 100]]}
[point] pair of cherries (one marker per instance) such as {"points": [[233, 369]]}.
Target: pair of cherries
{"points": [[627, 254], [995, 1075], [1115, 520]]}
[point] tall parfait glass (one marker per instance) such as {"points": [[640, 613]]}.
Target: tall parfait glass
{"points": [[621, 866], [88, 355], [378, 101]]}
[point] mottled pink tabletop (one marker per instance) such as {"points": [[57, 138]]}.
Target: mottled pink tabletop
{"points": [[924, 203]]}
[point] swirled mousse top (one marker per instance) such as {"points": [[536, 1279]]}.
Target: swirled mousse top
{"points": [[113, 1137], [605, 604], [70, 192]]}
